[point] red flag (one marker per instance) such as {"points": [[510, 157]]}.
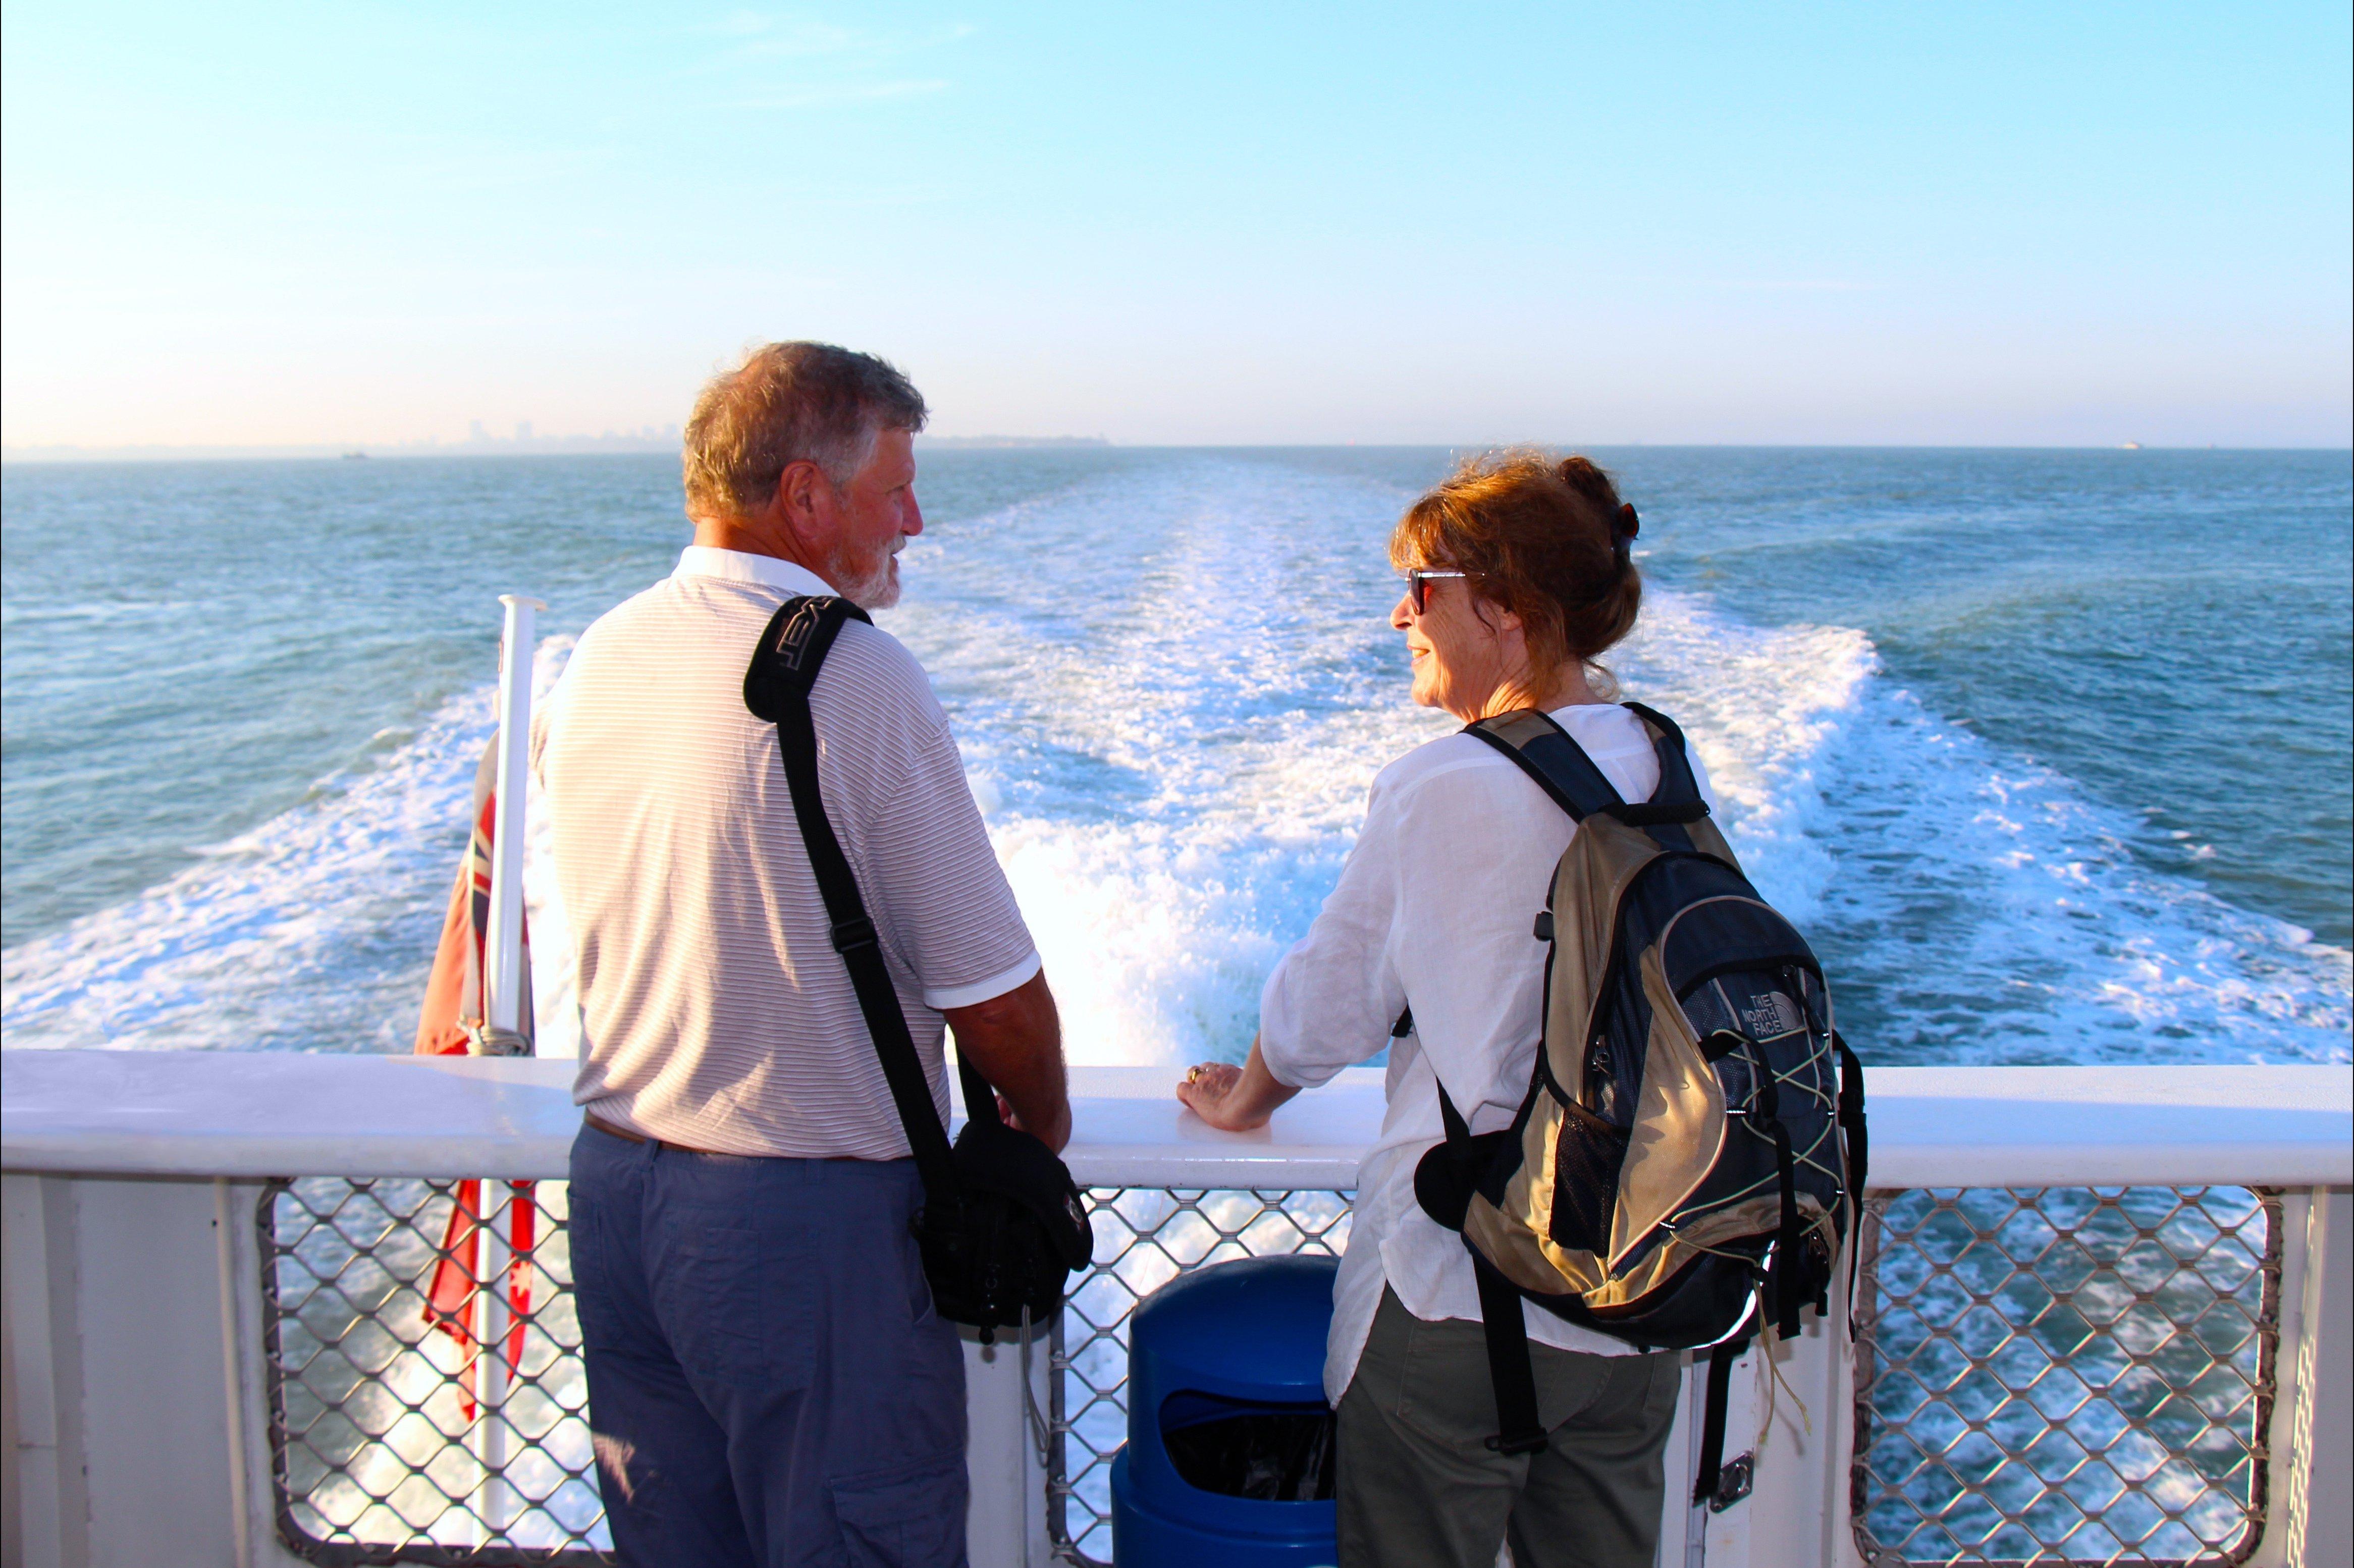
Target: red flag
{"points": [[450, 1300], [452, 1023]]}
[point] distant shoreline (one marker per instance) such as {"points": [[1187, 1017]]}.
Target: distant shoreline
{"points": [[981, 442], [552, 446], [36, 457], [585, 446]]}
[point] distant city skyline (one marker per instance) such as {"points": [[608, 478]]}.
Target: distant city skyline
{"points": [[526, 440], [355, 226], [478, 438]]}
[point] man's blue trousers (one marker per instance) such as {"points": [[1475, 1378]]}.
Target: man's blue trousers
{"points": [[767, 1383]]}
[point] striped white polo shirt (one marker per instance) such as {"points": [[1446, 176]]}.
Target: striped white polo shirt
{"points": [[715, 1011]]}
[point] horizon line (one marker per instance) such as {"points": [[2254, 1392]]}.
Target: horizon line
{"points": [[62, 454]]}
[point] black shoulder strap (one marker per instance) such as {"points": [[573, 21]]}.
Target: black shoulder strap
{"points": [[1519, 1429], [1708, 1473], [1544, 751], [1850, 1119], [1547, 753], [791, 650], [1678, 786], [1859, 1154], [777, 688]]}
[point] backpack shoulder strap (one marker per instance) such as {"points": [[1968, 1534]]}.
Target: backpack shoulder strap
{"points": [[1511, 1372], [1544, 751], [1677, 785], [1547, 753], [1708, 1470], [785, 665], [1676, 801]]}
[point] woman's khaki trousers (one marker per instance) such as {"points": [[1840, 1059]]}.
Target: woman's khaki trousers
{"points": [[1419, 1488]]}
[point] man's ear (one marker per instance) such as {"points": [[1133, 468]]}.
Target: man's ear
{"points": [[796, 494]]}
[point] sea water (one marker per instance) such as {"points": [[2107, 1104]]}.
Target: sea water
{"points": [[2048, 752]]}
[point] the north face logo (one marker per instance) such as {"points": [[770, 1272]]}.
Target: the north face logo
{"points": [[1771, 1014]]}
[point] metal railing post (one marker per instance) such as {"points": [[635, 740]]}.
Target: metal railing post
{"points": [[2317, 1514]]}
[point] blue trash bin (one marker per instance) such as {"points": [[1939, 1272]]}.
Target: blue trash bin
{"points": [[1230, 1444]]}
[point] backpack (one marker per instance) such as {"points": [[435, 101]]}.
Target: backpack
{"points": [[1690, 1156]]}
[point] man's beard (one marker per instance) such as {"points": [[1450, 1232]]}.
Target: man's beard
{"points": [[872, 583]]}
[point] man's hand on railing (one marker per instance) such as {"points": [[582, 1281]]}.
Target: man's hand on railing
{"points": [[1234, 1100], [1016, 1042]]}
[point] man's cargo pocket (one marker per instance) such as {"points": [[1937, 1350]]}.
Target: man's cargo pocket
{"points": [[907, 1518]]}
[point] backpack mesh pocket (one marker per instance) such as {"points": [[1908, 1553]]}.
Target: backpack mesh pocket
{"points": [[1586, 1161]]}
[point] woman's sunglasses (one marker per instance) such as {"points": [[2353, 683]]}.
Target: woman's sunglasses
{"points": [[1418, 586]]}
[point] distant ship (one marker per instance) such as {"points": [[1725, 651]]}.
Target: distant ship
{"points": [[350, 456], [2128, 447]]}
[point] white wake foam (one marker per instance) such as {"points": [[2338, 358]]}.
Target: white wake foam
{"points": [[313, 931], [1173, 688], [1972, 906]]}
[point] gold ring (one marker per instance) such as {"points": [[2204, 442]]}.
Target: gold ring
{"points": [[1192, 1075]]}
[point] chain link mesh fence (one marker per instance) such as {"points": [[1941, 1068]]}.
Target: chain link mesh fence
{"points": [[377, 1438], [2065, 1375]]}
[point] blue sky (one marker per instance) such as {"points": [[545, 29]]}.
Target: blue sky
{"points": [[1979, 224]]}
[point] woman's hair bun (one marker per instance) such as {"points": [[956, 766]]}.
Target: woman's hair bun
{"points": [[1545, 538]]}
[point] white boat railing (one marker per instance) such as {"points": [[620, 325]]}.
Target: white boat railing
{"points": [[2103, 1318]]}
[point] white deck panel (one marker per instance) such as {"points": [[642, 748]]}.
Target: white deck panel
{"points": [[282, 1114]]}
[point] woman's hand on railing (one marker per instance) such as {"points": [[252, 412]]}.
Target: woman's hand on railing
{"points": [[1232, 1098]]}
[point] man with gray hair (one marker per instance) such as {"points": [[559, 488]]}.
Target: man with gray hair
{"points": [[768, 1381]]}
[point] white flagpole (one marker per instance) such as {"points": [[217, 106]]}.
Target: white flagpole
{"points": [[502, 1011], [503, 1004]]}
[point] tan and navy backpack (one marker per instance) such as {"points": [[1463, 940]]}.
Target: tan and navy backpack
{"points": [[1690, 1156]]}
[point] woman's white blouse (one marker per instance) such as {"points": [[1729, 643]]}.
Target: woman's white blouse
{"points": [[1437, 905]]}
